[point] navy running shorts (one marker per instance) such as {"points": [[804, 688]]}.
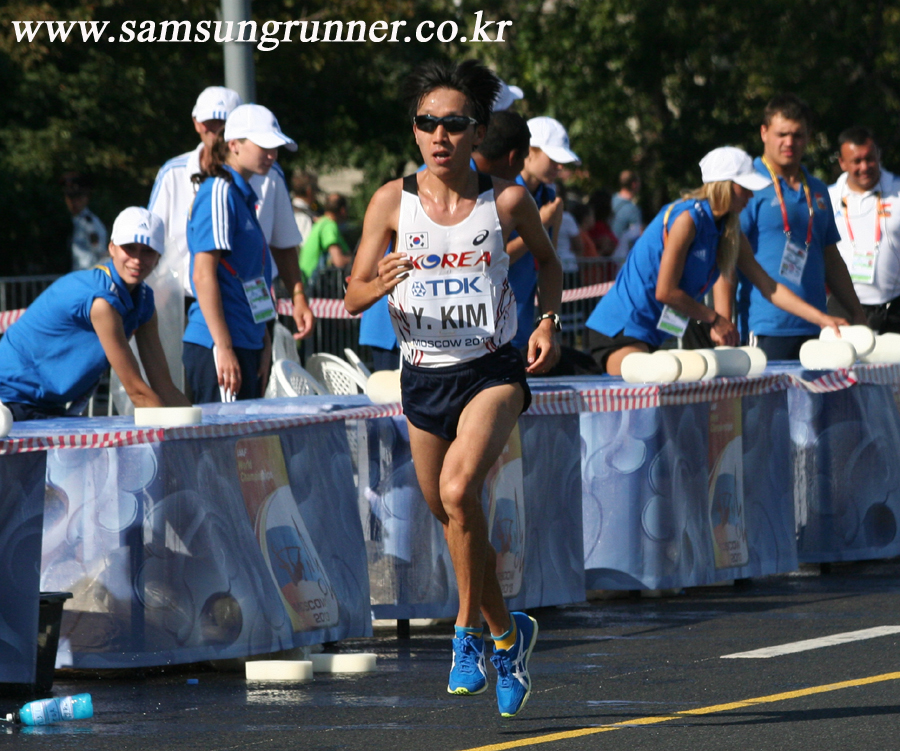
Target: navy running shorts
{"points": [[434, 398]]}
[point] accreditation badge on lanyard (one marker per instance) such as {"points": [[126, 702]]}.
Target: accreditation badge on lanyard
{"points": [[260, 300], [672, 322], [794, 256], [257, 293], [793, 261], [862, 263]]}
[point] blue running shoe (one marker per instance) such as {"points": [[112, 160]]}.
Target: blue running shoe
{"points": [[513, 680], [467, 674]]}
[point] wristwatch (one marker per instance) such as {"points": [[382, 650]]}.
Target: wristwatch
{"points": [[553, 317]]}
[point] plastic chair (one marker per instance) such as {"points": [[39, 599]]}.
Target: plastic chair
{"points": [[337, 375], [292, 380], [354, 360]]}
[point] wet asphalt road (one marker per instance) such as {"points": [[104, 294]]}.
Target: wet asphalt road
{"points": [[638, 661]]}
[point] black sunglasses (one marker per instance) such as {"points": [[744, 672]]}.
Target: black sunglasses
{"points": [[451, 123]]}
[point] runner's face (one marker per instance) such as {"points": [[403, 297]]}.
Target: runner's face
{"points": [[441, 150], [133, 261], [784, 141], [861, 165]]}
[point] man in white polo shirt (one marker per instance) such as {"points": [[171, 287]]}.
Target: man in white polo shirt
{"points": [[173, 194], [866, 204]]}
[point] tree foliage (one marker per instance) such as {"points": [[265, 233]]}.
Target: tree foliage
{"points": [[639, 84]]}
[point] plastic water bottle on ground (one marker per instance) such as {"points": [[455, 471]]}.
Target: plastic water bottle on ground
{"points": [[57, 709]]}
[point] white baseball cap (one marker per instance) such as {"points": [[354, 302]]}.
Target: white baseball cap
{"points": [[730, 163], [257, 123], [550, 137], [137, 225], [215, 103], [506, 96]]}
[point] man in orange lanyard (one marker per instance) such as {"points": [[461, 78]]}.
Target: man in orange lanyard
{"points": [[791, 228], [866, 203]]}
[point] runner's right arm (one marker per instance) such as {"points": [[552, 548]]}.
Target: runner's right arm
{"points": [[374, 274]]}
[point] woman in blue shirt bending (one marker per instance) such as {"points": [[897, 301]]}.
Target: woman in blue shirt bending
{"points": [[676, 261], [52, 358], [227, 345]]}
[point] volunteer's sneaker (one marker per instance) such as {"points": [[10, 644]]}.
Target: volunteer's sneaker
{"points": [[513, 681], [467, 674]]}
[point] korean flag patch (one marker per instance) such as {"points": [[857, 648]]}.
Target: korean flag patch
{"points": [[417, 241]]}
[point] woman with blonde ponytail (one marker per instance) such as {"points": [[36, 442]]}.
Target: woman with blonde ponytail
{"points": [[676, 261]]}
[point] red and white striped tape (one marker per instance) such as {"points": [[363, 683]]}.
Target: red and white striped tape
{"points": [[9, 317], [137, 436], [827, 382], [616, 398]]}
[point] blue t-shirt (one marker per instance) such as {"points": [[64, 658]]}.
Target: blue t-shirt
{"points": [[631, 306], [523, 274], [52, 356], [224, 218], [763, 224]]}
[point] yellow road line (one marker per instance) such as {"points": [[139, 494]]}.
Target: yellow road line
{"points": [[689, 712]]}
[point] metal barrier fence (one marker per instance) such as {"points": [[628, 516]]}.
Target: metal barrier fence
{"points": [[20, 291]]}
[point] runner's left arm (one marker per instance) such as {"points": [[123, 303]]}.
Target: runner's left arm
{"points": [[543, 346]]}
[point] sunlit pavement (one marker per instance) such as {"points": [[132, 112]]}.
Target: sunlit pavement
{"points": [[612, 673]]}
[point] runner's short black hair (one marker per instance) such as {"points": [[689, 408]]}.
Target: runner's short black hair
{"points": [[508, 131], [479, 84]]}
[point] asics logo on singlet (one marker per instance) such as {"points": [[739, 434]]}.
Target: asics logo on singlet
{"points": [[417, 241], [451, 260], [481, 237], [447, 286]]}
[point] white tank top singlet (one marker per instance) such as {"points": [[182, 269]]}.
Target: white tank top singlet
{"points": [[456, 304]]}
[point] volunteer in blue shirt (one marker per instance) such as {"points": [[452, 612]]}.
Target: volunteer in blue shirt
{"points": [[676, 261], [549, 148], [227, 345], [791, 229], [53, 356]]}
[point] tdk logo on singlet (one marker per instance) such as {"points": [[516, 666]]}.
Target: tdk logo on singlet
{"points": [[446, 287], [417, 241]]}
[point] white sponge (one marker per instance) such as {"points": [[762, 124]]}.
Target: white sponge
{"points": [[660, 367], [168, 417], [362, 662], [6, 420], [733, 363], [758, 360], [712, 363], [861, 337], [279, 670], [693, 365], [887, 349], [821, 355], [383, 386]]}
